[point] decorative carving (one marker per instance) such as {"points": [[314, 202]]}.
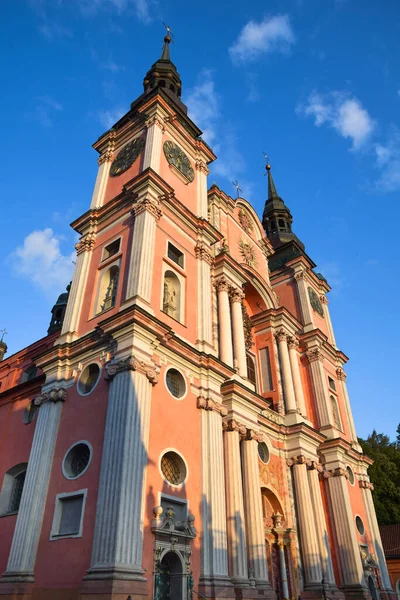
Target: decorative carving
{"points": [[233, 425], [130, 364], [149, 204], [208, 404], [248, 328], [253, 435], [236, 295], [277, 518], [168, 525], [126, 157], [315, 301], [297, 460], [248, 252], [314, 354], [177, 158], [299, 275], [86, 242], [155, 120], [339, 472], [340, 374], [281, 336], [366, 485], [224, 248], [271, 415], [106, 156], [56, 394], [222, 284], [314, 464], [201, 166], [245, 221], [323, 299], [293, 342], [203, 252]]}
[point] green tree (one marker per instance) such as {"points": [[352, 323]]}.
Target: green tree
{"points": [[385, 475]]}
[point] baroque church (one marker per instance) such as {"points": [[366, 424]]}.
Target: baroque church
{"points": [[184, 430]]}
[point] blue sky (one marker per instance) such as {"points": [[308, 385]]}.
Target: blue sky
{"points": [[314, 83]]}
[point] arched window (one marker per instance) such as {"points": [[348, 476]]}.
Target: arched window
{"points": [[172, 295], [273, 226], [335, 413], [282, 225], [11, 492], [251, 370], [108, 289]]}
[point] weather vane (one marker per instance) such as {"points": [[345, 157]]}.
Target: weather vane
{"points": [[236, 185], [267, 165], [169, 32], [3, 333]]}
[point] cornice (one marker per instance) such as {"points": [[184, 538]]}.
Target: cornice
{"points": [[225, 202], [233, 388], [277, 318]]}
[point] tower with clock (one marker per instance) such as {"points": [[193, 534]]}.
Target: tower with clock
{"points": [[184, 430]]}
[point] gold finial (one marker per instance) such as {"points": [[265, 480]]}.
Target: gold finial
{"points": [[169, 36], [267, 166]]}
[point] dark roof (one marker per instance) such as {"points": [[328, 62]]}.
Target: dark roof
{"points": [[390, 535]]}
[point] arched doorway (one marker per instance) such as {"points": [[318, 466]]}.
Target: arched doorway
{"points": [[372, 588], [170, 584]]}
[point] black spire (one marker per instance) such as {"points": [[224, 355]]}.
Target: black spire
{"points": [[58, 311], [163, 74], [277, 220]]}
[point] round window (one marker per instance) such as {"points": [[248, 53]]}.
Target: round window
{"points": [[88, 379], [360, 526], [351, 475], [263, 452], [175, 383], [77, 460], [173, 468]]}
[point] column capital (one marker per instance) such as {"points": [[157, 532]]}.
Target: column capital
{"points": [[86, 242], [251, 435], [314, 465], [201, 166], [301, 459], [208, 404], [202, 252], [314, 354], [147, 204], [155, 120], [339, 472], [281, 335], [323, 299], [222, 284], [236, 295], [340, 374], [366, 485], [233, 425], [300, 274], [293, 342], [55, 394], [130, 363]]}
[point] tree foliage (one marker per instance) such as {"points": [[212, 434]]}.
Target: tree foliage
{"points": [[385, 475]]}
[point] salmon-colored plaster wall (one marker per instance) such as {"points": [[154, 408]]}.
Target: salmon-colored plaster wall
{"points": [[287, 294], [185, 192], [115, 184]]}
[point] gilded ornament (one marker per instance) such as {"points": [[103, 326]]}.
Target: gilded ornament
{"points": [[315, 301], [248, 253], [178, 159], [245, 221], [126, 157]]}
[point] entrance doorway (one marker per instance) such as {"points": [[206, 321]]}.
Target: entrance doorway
{"points": [[170, 578]]}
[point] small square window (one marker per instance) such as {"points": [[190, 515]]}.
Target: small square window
{"points": [[111, 249], [332, 384], [176, 255], [68, 515]]}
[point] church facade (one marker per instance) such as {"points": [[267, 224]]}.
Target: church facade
{"points": [[184, 429]]}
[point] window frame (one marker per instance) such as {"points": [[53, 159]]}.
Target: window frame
{"points": [[112, 257], [63, 465], [181, 266], [169, 265], [101, 269], [54, 535], [7, 488]]}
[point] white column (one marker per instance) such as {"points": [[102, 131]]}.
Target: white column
{"points": [[324, 301], [341, 375], [152, 151], [101, 179], [288, 389], [214, 551], [239, 344], [146, 212], [236, 530], [308, 535], [75, 299], [22, 557], [202, 199], [118, 536], [293, 344], [282, 566], [349, 558], [320, 522], [224, 318], [305, 306], [204, 303], [318, 378], [255, 535], [366, 487]]}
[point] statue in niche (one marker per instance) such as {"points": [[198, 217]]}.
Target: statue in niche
{"points": [[169, 299]]}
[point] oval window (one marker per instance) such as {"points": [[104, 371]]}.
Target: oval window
{"points": [[263, 452], [360, 525], [175, 383], [351, 475], [173, 468], [88, 379], [76, 460]]}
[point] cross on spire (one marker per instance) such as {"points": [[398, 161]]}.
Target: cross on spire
{"points": [[3, 333], [236, 185]]}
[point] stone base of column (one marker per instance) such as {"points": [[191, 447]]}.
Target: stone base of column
{"points": [[15, 590], [292, 418], [113, 588], [115, 574], [216, 587], [355, 592], [17, 577], [250, 593]]}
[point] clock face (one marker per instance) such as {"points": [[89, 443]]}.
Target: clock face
{"points": [[315, 301], [126, 157], [176, 157]]}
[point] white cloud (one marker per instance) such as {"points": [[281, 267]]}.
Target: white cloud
{"points": [[44, 110], [343, 113], [110, 65], [108, 118], [203, 104], [273, 34], [388, 161], [40, 260]]}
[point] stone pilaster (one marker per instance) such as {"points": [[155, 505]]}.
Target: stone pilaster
{"points": [[103, 173], [236, 531], [314, 469], [202, 202], [253, 511], [288, 388], [304, 300], [72, 314], [308, 535], [22, 557], [318, 377], [293, 344], [204, 314], [331, 336], [341, 375], [146, 212], [348, 552], [366, 487], [224, 318], [152, 151], [214, 551], [118, 536], [239, 344]]}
